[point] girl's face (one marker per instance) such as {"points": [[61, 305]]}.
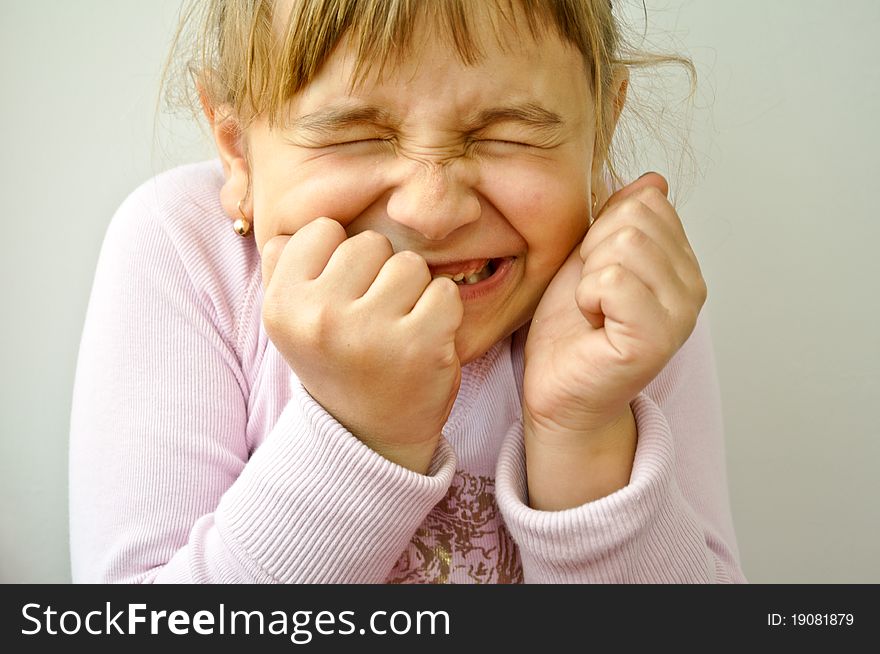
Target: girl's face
{"points": [[480, 169]]}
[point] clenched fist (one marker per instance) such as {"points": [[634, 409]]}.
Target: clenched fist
{"points": [[369, 334], [613, 316]]}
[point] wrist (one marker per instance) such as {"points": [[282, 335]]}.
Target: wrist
{"points": [[397, 443], [596, 436], [566, 468], [413, 456]]}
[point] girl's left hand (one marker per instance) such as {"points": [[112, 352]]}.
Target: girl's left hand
{"points": [[615, 313]]}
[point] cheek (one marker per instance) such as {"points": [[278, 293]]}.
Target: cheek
{"points": [[550, 213], [287, 199]]}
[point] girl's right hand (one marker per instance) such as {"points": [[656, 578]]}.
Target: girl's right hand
{"points": [[369, 334]]}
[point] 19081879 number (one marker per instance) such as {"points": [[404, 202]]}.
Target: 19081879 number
{"points": [[822, 619], [811, 620]]}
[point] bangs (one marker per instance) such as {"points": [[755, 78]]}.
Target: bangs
{"points": [[381, 34]]}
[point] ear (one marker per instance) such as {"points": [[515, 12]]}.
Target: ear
{"points": [[618, 88], [230, 141]]}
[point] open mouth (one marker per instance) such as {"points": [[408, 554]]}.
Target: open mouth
{"points": [[467, 273]]}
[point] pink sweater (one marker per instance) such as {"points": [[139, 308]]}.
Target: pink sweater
{"points": [[197, 456]]}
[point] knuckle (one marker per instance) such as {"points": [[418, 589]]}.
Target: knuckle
{"points": [[410, 260], [275, 245], [651, 193], [412, 266], [272, 315], [373, 237], [630, 236], [613, 275], [450, 296], [636, 206], [651, 197], [314, 325], [330, 226], [379, 243], [322, 322], [632, 203], [368, 240]]}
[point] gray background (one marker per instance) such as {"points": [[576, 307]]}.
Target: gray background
{"points": [[782, 217]]}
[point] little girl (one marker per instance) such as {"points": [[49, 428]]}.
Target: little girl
{"points": [[404, 329]]}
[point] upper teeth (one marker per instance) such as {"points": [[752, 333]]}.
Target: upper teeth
{"points": [[469, 277]]}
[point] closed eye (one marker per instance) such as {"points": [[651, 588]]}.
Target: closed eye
{"points": [[357, 141], [501, 146], [350, 145]]}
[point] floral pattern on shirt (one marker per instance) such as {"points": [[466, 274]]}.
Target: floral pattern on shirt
{"points": [[463, 540]]}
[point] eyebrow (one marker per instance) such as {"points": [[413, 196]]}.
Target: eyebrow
{"points": [[529, 114], [336, 118]]}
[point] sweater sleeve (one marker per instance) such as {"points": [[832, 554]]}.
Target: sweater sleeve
{"points": [[163, 487], [671, 523]]}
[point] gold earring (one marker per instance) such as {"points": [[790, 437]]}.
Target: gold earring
{"points": [[241, 226]]}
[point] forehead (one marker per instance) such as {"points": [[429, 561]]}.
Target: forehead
{"points": [[434, 88], [385, 35], [505, 61]]}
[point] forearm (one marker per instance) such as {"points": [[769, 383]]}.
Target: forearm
{"points": [[669, 523], [566, 470]]}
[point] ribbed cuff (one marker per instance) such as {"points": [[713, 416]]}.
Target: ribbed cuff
{"points": [[643, 532], [316, 505]]}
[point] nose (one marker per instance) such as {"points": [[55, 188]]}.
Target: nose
{"points": [[434, 198]]}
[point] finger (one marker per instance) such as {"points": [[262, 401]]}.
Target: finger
{"points": [[439, 311], [652, 214], [648, 180], [353, 266], [652, 188], [633, 213], [307, 252], [616, 299], [270, 254], [400, 283], [636, 251]]}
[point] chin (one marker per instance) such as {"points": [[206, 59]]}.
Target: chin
{"points": [[471, 347]]}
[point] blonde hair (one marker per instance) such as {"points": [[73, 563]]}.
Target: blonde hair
{"points": [[240, 54]]}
